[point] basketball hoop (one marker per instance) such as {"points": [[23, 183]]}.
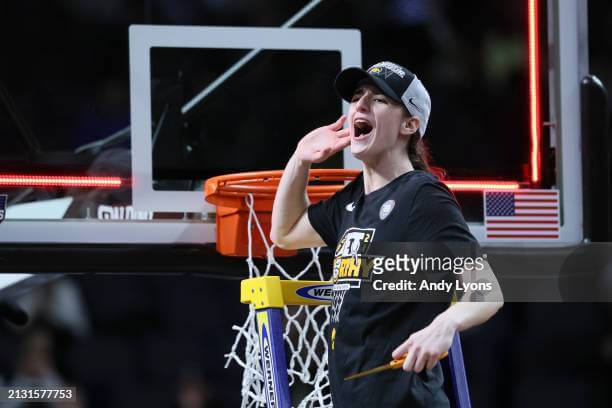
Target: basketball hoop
{"points": [[244, 211], [235, 194]]}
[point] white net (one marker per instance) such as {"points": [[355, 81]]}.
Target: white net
{"points": [[304, 334]]}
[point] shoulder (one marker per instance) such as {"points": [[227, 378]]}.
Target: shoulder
{"points": [[422, 178], [340, 199], [355, 185], [425, 187], [435, 214], [351, 192]]}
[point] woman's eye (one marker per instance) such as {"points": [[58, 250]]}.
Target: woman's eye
{"points": [[380, 100]]}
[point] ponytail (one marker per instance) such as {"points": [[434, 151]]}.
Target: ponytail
{"points": [[419, 156]]}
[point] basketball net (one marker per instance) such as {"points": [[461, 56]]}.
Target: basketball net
{"points": [[304, 335]]}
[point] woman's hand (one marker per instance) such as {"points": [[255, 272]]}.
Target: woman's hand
{"points": [[323, 142], [424, 347]]}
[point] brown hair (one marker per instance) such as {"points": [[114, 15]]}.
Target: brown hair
{"points": [[419, 156]]}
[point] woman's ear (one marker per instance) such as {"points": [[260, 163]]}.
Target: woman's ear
{"points": [[410, 125]]}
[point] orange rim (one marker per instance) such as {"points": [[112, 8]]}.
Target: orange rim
{"points": [[230, 189]]}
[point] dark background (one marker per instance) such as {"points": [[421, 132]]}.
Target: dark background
{"points": [[155, 340]]}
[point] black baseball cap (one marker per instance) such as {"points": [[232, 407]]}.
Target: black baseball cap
{"points": [[395, 81]]}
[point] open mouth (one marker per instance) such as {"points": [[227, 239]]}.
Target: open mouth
{"points": [[362, 128]]}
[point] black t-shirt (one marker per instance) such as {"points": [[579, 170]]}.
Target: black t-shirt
{"points": [[414, 207]]}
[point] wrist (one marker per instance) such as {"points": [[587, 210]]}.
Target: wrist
{"points": [[449, 320], [301, 163]]}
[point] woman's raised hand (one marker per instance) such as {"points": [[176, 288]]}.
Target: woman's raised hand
{"points": [[323, 142]]}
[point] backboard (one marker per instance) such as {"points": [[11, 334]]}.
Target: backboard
{"points": [[210, 100]]}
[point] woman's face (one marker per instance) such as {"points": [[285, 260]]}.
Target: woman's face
{"points": [[375, 121]]}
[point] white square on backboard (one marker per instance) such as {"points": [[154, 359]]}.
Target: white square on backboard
{"points": [[144, 37]]}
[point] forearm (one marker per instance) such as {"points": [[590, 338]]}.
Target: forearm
{"points": [[463, 315], [291, 199], [467, 313]]}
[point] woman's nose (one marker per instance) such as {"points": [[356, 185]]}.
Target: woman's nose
{"points": [[362, 104]]}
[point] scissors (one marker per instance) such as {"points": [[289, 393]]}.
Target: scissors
{"points": [[393, 365]]}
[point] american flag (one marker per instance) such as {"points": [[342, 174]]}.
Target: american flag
{"points": [[522, 214]]}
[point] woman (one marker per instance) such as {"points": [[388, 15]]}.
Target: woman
{"points": [[395, 199]]}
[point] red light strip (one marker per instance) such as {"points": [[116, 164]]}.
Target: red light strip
{"points": [[23, 180], [481, 185], [533, 44]]}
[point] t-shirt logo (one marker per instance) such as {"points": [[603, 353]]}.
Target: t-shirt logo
{"points": [[350, 206], [386, 209], [349, 265], [349, 253]]}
